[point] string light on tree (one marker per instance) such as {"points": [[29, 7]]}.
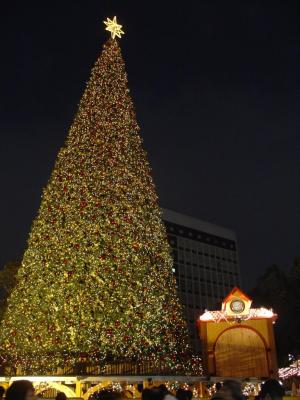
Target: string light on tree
{"points": [[90, 285]]}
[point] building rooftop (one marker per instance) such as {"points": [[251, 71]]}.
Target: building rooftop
{"points": [[198, 224]]}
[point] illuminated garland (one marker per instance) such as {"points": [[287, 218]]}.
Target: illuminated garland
{"points": [[254, 313], [292, 371], [96, 282], [288, 372]]}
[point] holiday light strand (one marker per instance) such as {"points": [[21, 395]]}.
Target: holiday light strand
{"points": [[254, 313]]}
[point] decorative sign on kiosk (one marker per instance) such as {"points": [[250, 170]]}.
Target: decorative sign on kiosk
{"points": [[236, 304], [238, 340]]}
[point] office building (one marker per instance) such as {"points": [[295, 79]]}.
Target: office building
{"points": [[205, 265]]}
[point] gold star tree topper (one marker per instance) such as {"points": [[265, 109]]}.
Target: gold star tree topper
{"points": [[113, 27]]}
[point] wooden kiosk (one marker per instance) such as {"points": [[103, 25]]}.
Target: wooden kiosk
{"points": [[238, 341]]}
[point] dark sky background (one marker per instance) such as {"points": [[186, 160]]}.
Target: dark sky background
{"points": [[217, 93]]}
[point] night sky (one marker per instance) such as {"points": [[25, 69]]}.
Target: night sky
{"points": [[217, 94]]}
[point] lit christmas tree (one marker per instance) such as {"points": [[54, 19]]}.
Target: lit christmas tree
{"points": [[96, 279]]}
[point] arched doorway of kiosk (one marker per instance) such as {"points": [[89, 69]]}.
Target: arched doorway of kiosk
{"points": [[240, 351]]}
